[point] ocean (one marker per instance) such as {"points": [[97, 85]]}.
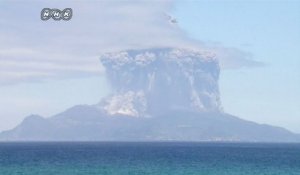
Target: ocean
{"points": [[148, 158]]}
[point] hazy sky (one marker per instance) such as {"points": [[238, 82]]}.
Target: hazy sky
{"points": [[46, 67]]}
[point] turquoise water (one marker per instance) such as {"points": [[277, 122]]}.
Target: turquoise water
{"points": [[113, 158]]}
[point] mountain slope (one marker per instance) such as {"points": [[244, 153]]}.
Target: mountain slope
{"points": [[157, 94], [88, 123]]}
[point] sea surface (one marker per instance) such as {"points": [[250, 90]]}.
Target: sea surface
{"points": [[145, 158]]}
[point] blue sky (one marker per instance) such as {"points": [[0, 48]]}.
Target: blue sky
{"points": [[265, 34], [270, 31]]}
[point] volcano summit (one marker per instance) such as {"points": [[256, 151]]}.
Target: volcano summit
{"points": [[157, 94]]}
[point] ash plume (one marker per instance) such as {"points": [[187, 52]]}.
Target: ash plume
{"points": [[154, 81]]}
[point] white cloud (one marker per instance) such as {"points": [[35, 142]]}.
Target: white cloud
{"points": [[23, 65], [232, 58], [35, 50]]}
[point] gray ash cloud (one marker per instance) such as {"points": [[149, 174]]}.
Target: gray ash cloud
{"points": [[153, 81]]}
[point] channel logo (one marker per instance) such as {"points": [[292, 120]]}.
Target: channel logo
{"points": [[56, 14]]}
